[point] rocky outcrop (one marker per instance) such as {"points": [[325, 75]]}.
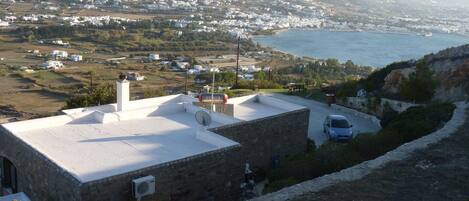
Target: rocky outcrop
{"points": [[393, 80], [451, 67]]}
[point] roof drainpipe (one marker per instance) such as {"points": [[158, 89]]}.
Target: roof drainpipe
{"points": [[123, 86]]}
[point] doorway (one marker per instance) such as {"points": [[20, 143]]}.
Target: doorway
{"points": [[8, 177]]}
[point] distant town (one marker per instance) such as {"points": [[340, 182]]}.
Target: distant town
{"points": [[240, 18]]}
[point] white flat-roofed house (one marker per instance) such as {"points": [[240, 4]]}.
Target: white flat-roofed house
{"points": [[108, 147], [248, 77], [58, 54], [60, 42], [4, 23], [135, 76], [199, 68], [154, 57], [253, 69], [76, 57], [52, 64], [10, 18]]}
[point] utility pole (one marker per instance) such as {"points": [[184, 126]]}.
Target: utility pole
{"points": [[91, 81], [237, 63], [185, 85]]}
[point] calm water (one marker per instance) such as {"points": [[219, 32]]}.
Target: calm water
{"points": [[364, 48]]}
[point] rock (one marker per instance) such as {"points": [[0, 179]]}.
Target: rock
{"points": [[394, 79]]}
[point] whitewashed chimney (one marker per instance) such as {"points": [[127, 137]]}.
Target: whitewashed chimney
{"points": [[122, 93]]}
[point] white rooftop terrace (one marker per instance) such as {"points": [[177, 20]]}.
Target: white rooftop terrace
{"points": [[98, 142]]}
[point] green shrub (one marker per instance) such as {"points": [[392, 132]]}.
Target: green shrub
{"points": [[257, 84], [420, 86], [104, 94], [347, 89], [388, 115]]}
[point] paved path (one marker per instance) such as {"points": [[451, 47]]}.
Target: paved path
{"points": [[318, 113]]}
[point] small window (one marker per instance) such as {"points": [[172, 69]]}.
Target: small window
{"points": [[8, 176]]}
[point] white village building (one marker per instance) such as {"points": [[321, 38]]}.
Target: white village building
{"points": [[59, 54], [154, 57], [76, 57], [52, 64]]}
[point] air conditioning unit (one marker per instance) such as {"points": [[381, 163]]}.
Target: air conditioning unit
{"points": [[143, 186]]}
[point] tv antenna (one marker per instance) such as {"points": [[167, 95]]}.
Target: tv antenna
{"points": [[203, 118]]}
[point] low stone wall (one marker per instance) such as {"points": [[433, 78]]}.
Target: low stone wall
{"points": [[372, 118], [267, 139], [361, 104], [37, 176], [361, 170]]}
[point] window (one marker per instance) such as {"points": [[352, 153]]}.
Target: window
{"points": [[8, 176], [340, 123]]}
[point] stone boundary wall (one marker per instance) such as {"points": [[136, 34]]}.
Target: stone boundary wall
{"points": [[361, 170], [372, 118], [271, 138], [361, 104]]}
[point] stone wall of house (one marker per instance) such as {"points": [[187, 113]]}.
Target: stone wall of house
{"points": [[210, 176], [37, 176], [265, 140], [215, 175]]}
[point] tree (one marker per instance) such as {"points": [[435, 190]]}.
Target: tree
{"points": [[260, 75], [347, 89], [333, 63], [349, 64], [420, 86], [104, 94]]}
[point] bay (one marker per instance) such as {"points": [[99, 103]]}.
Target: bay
{"points": [[363, 48]]}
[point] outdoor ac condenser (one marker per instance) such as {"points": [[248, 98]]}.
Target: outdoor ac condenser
{"points": [[143, 186]]}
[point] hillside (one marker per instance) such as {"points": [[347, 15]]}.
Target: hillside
{"points": [[451, 68]]}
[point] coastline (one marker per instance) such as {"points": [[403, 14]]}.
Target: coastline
{"points": [[437, 36], [408, 32]]}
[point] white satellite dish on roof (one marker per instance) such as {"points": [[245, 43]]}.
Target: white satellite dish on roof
{"points": [[203, 118]]}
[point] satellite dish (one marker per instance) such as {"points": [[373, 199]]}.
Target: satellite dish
{"points": [[203, 118]]}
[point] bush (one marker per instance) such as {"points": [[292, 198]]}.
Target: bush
{"points": [[331, 157], [104, 94], [257, 84], [388, 115], [347, 89], [420, 86]]}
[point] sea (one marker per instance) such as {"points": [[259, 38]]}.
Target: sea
{"points": [[363, 48]]}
